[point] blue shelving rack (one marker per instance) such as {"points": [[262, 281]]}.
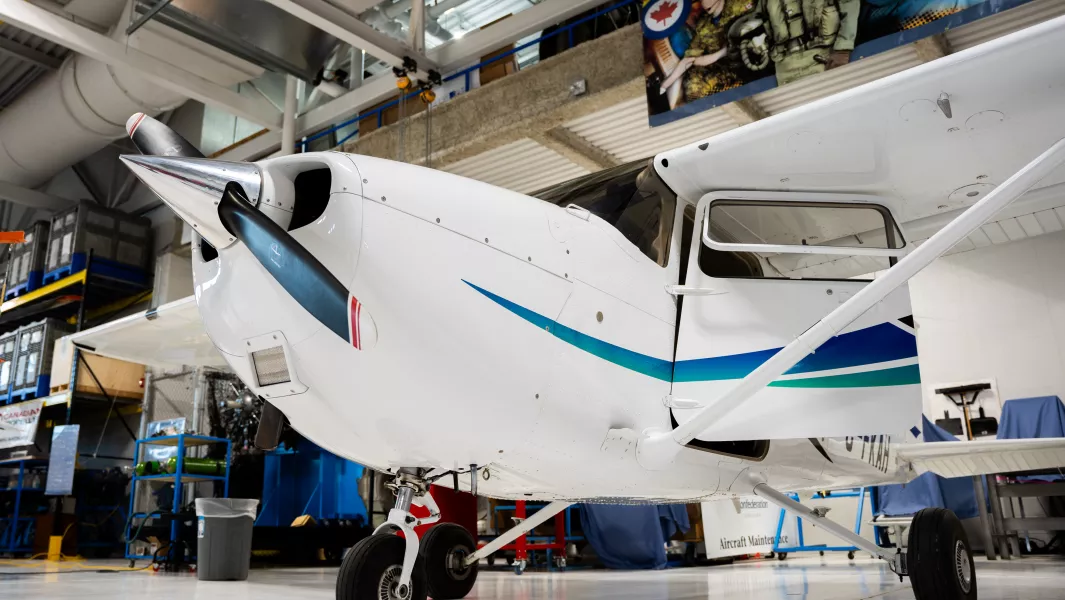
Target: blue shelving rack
{"points": [[802, 547], [16, 530], [179, 478]]}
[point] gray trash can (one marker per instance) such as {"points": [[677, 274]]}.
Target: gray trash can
{"points": [[223, 526]]}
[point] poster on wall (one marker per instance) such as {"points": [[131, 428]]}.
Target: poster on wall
{"points": [[699, 54], [18, 423], [744, 525]]}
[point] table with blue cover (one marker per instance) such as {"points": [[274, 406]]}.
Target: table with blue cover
{"points": [[1026, 418], [1021, 419]]}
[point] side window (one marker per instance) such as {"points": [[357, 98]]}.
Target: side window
{"points": [[834, 225]]}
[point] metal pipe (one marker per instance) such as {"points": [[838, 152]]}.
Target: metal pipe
{"points": [[288, 123], [541, 516], [763, 490], [658, 450], [404, 497], [416, 30]]}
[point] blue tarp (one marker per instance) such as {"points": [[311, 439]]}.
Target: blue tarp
{"points": [[929, 489], [1042, 417], [632, 537]]}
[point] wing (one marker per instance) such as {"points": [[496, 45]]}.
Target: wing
{"points": [[959, 459], [892, 139]]}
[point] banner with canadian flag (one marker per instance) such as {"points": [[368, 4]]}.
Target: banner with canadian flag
{"points": [[18, 423], [699, 54]]}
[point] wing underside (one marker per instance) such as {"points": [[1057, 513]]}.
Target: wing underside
{"points": [[960, 459]]}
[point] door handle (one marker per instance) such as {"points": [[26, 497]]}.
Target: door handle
{"points": [[691, 290], [672, 401]]}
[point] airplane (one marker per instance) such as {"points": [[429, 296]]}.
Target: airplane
{"points": [[699, 324]]}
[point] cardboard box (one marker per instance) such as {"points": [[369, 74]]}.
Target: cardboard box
{"points": [[119, 378]]}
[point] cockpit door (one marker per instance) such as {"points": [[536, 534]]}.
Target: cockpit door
{"points": [[763, 268]]}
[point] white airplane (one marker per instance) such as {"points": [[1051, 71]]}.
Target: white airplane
{"points": [[667, 332]]}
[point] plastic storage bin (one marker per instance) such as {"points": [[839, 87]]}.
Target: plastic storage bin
{"points": [[224, 529], [120, 243], [33, 358], [25, 269]]}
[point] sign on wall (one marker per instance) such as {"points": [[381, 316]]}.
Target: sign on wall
{"points": [[744, 525], [18, 423], [62, 457], [704, 53]]}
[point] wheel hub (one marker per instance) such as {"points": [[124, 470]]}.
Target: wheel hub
{"points": [[390, 588], [456, 563], [962, 567]]}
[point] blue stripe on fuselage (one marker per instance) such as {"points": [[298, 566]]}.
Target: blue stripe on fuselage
{"points": [[876, 344]]}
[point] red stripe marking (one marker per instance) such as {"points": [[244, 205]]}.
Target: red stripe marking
{"points": [[355, 306], [136, 124], [358, 328]]}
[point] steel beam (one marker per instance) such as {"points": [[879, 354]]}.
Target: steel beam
{"points": [[346, 27], [100, 47], [32, 198], [576, 149], [27, 54], [457, 54]]}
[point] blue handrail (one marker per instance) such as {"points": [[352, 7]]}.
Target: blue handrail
{"points": [[379, 111]]}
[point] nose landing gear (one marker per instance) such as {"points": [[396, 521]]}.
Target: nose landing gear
{"points": [[386, 566]]}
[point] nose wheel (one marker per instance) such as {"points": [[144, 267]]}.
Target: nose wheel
{"points": [[444, 551], [373, 568]]}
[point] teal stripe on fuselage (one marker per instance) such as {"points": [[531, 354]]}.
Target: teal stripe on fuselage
{"points": [[880, 343], [634, 361]]}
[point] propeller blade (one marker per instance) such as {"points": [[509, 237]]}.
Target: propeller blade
{"points": [[306, 279], [154, 138]]}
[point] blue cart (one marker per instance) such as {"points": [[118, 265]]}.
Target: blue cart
{"points": [[178, 478]]}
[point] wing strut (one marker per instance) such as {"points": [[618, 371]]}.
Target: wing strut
{"points": [[656, 449]]}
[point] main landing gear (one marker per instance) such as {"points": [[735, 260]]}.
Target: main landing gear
{"points": [[938, 558], [443, 565]]}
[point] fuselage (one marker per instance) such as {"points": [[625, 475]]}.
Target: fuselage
{"points": [[499, 330]]}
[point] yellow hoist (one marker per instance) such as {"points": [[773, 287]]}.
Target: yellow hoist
{"points": [[408, 85]]}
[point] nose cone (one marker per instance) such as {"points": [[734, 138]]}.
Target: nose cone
{"points": [[193, 187]]}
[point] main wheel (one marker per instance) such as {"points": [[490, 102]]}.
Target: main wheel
{"points": [[372, 569], [938, 558], [782, 556], [443, 552]]}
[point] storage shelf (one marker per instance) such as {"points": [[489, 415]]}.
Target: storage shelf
{"points": [[61, 299], [190, 440], [184, 477]]}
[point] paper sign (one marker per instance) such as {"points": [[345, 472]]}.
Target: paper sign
{"points": [[63, 456]]}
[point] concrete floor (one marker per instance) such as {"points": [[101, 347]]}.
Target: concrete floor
{"points": [[830, 578]]}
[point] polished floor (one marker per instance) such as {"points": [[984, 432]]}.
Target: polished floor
{"points": [[830, 578]]}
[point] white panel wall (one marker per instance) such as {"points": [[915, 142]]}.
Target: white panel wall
{"points": [[995, 313]]}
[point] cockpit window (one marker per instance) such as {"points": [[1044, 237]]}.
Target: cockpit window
{"points": [[631, 198]]}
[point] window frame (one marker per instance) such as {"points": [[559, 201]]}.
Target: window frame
{"points": [[801, 199]]}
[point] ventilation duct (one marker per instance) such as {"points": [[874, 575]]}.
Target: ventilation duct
{"points": [[75, 111]]}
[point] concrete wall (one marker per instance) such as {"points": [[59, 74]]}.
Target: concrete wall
{"points": [[993, 314]]}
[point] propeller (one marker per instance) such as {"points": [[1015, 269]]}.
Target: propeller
{"points": [[154, 138], [302, 275]]}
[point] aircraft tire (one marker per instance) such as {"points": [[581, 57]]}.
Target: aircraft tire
{"points": [[373, 565], [442, 550], [939, 559]]}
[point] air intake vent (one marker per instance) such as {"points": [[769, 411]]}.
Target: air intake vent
{"points": [[270, 366]]}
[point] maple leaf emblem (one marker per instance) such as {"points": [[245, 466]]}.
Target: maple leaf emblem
{"points": [[664, 12]]}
